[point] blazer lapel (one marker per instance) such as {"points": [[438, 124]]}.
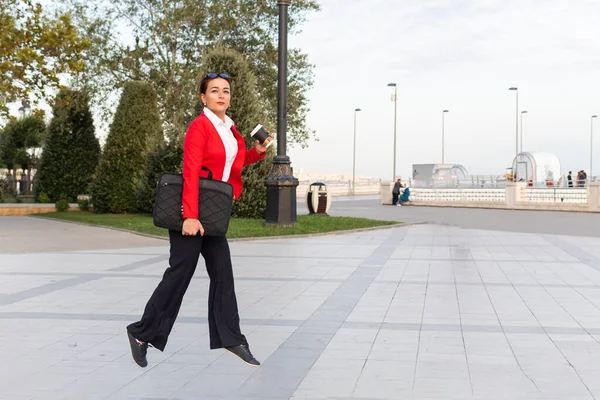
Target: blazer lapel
{"points": [[215, 133]]}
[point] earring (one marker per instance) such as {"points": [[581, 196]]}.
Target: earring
{"points": [[204, 104]]}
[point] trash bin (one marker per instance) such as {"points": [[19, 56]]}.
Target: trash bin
{"points": [[317, 199]]}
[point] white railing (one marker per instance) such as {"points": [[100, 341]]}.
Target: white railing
{"points": [[513, 197], [458, 195], [471, 181], [554, 195]]}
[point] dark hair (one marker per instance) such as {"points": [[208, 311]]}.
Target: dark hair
{"points": [[204, 83]]}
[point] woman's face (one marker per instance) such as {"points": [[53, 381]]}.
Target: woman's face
{"points": [[217, 96]]}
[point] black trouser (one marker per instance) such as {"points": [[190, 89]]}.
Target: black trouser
{"points": [[163, 306], [395, 198]]}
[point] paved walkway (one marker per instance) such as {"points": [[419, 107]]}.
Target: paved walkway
{"points": [[419, 312], [541, 222], [34, 234]]}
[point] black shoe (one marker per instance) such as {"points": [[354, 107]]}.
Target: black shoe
{"points": [[138, 351], [243, 352]]}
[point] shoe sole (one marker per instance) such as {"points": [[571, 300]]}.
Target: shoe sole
{"points": [[133, 359], [244, 361]]}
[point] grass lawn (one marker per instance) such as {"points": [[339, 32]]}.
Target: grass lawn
{"points": [[239, 228]]}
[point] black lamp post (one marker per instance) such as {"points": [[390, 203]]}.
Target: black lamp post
{"points": [[281, 184]]}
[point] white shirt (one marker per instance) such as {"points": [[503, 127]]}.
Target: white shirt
{"points": [[229, 141]]}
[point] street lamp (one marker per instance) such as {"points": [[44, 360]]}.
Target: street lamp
{"points": [[281, 184], [25, 109], [592, 144], [443, 113], [516, 132], [394, 99], [354, 154], [522, 112]]}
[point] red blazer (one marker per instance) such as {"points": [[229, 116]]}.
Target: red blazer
{"points": [[203, 146]]}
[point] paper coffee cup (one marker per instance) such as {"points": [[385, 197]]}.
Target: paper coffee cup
{"points": [[260, 133]]}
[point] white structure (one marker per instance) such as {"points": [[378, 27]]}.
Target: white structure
{"points": [[429, 175], [538, 169]]}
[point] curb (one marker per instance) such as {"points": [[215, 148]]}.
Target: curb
{"points": [[248, 239]]}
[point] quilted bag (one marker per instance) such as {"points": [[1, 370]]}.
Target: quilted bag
{"points": [[214, 209]]}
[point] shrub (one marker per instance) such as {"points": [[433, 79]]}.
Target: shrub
{"points": [[44, 198], [7, 191], [135, 130], [62, 205], [84, 203], [71, 152]]}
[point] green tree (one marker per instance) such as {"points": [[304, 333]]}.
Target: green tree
{"points": [[135, 131], [18, 141], [71, 151], [246, 111], [171, 38], [34, 50]]}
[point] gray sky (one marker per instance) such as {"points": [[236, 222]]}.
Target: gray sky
{"points": [[451, 54]]}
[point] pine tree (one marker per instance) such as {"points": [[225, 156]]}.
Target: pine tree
{"points": [[71, 151], [136, 130]]}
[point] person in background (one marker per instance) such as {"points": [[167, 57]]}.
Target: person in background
{"points": [[396, 193], [405, 195], [570, 179]]}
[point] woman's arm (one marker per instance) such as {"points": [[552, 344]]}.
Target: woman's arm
{"points": [[193, 154], [253, 156]]}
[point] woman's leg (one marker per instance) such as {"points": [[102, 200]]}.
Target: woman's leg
{"points": [[223, 317], [162, 308]]}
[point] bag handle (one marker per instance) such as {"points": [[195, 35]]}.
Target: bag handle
{"points": [[210, 176]]}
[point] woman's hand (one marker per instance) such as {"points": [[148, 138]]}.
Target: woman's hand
{"points": [[261, 148], [191, 227]]}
